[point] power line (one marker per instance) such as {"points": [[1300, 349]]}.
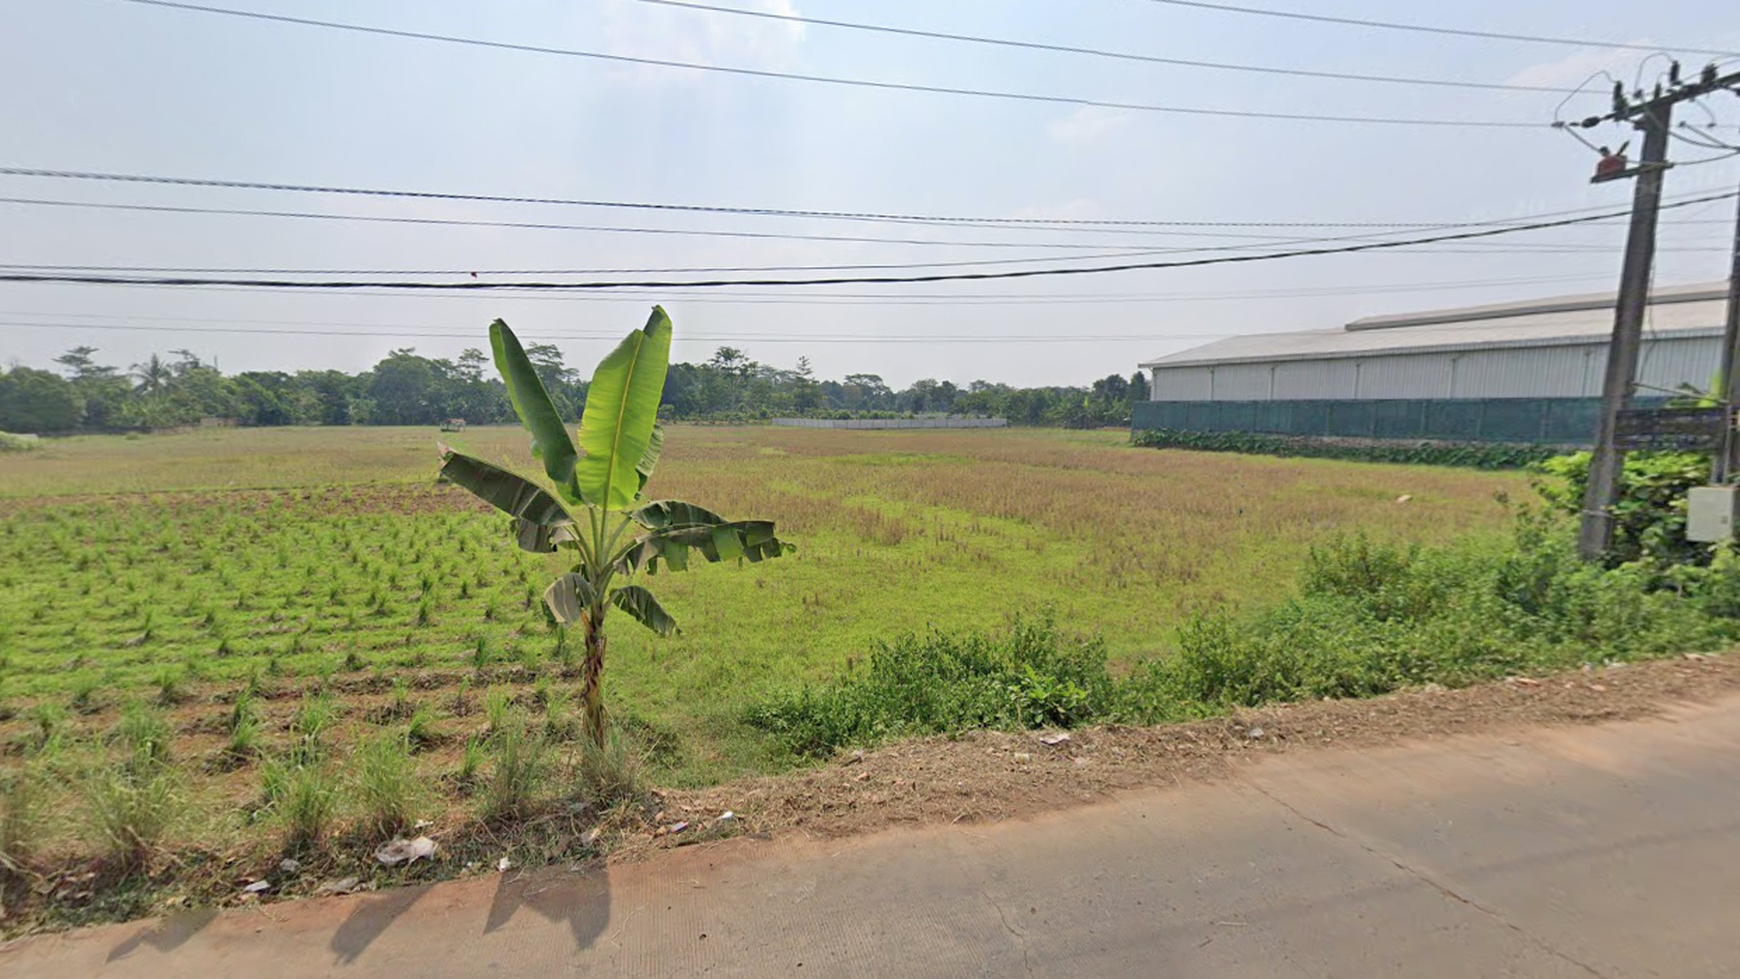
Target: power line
{"points": [[869, 216], [836, 80], [1096, 251], [669, 270], [710, 338], [1428, 29], [1103, 53], [835, 280], [546, 226], [912, 299]]}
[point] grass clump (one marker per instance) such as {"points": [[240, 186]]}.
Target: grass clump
{"points": [[133, 806], [517, 772], [305, 797], [144, 734], [314, 717], [608, 776], [383, 777], [20, 818]]}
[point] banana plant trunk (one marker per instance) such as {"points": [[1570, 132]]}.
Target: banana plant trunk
{"points": [[592, 674]]}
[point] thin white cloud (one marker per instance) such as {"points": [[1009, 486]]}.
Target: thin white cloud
{"points": [[1090, 122]]}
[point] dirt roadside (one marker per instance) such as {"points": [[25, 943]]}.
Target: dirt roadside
{"points": [[989, 776]]}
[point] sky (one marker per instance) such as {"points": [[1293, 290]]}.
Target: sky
{"points": [[115, 86]]}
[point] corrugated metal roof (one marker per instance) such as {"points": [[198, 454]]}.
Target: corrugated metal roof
{"points": [[1566, 321]]}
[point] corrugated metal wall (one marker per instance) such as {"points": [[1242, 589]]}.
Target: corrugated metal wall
{"points": [[1670, 363], [1572, 371]]}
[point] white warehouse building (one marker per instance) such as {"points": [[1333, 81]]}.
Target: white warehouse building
{"points": [[1529, 371]]}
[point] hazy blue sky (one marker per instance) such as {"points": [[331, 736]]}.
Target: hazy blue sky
{"points": [[110, 85]]}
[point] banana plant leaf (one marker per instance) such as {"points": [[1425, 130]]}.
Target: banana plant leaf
{"points": [[532, 403], [541, 538], [668, 514], [649, 459], [751, 540], [621, 411], [641, 604], [568, 597], [507, 491]]}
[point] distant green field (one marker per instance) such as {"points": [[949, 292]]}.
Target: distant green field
{"points": [[290, 555]]}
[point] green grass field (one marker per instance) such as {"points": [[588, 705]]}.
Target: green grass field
{"points": [[292, 556]]}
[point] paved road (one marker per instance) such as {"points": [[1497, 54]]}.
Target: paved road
{"points": [[1587, 852]]}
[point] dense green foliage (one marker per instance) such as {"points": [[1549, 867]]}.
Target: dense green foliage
{"points": [[38, 402], [1650, 517], [1473, 454], [939, 683], [1368, 618], [405, 388]]}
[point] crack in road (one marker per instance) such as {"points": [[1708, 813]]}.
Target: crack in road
{"points": [[1426, 879], [1020, 937]]}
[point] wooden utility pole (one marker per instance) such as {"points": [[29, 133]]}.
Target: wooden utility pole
{"points": [[1622, 353], [1654, 116], [1727, 461]]}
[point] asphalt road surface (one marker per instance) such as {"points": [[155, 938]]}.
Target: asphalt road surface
{"points": [[1577, 852]]}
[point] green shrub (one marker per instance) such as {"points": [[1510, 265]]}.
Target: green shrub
{"points": [[1368, 618], [941, 683], [1650, 517], [1477, 455]]}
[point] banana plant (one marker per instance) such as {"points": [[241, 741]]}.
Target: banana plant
{"points": [[597, 513]]}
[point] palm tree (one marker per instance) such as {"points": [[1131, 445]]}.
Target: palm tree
{"points": [[153, 375]]}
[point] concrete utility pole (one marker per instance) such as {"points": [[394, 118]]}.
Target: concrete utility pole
{"points": [[1622, 353], [1654, 116], [1727, 461]]}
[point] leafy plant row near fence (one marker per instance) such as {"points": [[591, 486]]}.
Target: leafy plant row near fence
{"points": [[1476, 455]]}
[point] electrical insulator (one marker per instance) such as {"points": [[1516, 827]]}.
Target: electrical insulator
{"points": [[1610, 165], [1674, 75], [1619, 97]]}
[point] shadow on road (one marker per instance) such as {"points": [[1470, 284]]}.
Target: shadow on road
{"points": [[168, 934], [371, 918], [582, 900]]}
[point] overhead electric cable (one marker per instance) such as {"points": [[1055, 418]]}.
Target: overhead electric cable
{"points": [[942, 219], [835, 280], [1103, 53], [852, 82], [1429, 28]]}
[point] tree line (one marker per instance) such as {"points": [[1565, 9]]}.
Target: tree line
{"points": [[404, 388]]}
